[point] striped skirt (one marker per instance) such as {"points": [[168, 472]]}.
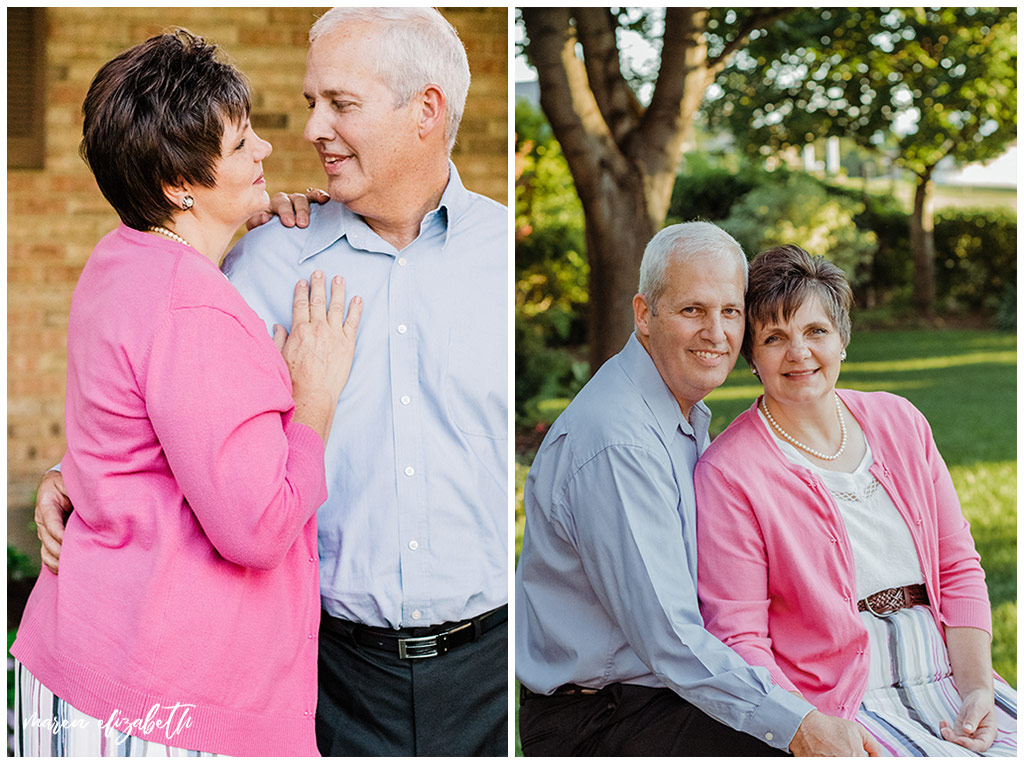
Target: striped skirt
{"points": [[45, 725], [910, 690]]}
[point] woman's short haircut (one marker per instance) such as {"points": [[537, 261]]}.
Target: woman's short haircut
{"points": [[784, 278], [418, 47], [154, 117], [679, 243]]}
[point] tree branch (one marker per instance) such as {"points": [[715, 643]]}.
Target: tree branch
{"points": [[618, 103], [759, 18], [682, 79], [566, 98]]}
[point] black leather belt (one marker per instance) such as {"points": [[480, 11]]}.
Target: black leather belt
{"points": [[416, 643]]}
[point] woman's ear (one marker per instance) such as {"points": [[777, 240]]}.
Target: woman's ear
{"points": [[179, 196]]}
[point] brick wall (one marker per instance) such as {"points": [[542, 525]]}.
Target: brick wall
{"points": [[56, 215]]}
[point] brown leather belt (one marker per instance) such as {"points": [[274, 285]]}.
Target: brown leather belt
{"points": [[888, 601], [565, 689]]}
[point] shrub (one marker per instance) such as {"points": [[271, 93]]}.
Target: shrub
{"points": [[976, 259], [551, 270], [800, 211], [708, 186]]}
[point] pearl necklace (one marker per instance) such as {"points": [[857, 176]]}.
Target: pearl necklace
{"points": [[798, 444], [169, 234]]}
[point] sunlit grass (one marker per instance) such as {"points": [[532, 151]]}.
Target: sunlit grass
{"points": [[965, 384]]}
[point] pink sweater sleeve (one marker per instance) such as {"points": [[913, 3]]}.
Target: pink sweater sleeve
{"points": [[963, 593], [219, 400], [732, 572]]}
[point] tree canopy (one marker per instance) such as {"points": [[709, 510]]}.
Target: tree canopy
{"points": [[920, 84]]}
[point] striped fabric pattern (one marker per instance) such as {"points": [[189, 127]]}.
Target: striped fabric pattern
{"points": [[910, 689], [45, 725]]}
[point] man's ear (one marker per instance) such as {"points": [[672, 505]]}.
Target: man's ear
{"points": [[641, 314], [432, 110]]}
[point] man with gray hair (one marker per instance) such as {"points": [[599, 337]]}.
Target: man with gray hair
{"points": [[611, 651], [413, 539]]}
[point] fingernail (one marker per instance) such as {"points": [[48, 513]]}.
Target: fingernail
{"points": [[337, 279], [318, 275], [359, 300], [303, 283]]}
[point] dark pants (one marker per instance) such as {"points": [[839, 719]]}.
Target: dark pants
{"points": [[627, 720], [373, 703]]}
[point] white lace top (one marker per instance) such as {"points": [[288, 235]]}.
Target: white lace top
{"points": [[883, 552]]}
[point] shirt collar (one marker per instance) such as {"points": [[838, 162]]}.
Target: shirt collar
{"points": [[639, 366], [333, 221]]}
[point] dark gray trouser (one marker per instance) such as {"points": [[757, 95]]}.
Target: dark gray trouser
{"points": [[628, 720], [372, 703]]}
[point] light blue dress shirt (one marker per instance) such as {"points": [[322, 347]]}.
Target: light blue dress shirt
{"points": [[415, 529], [606, 582]]}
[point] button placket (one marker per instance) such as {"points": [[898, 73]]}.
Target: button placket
{"points": [[408, 387]]}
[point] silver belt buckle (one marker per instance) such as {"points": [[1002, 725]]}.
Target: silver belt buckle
{"points": [[418, 647]]}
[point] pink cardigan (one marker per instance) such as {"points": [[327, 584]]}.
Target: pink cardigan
{"points": [[775, 568], [187, 605]]}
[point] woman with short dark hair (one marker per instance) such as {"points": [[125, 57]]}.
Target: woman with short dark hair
{"points": [[832, 547], [185, 615]]}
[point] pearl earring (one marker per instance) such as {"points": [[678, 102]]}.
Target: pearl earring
{"points": [[187, 203]]}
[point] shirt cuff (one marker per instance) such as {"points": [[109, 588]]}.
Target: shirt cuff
{"points": [[777, 718]]}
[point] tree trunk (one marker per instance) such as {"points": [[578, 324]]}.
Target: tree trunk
{"points": [[623, 157], [615, 245], [922, 244]]}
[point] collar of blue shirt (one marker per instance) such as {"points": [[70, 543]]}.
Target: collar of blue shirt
{"points": [[332, 221], [638, 365]]}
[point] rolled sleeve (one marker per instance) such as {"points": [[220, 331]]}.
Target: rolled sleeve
{"points": [[629, 530], [963, 594]]}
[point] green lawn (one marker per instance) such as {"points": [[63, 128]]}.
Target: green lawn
{"points": [[965, 384]]}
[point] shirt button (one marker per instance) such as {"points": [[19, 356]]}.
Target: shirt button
{"points": [[401, 261], [406, 400], [311, 636], [416, 615], [414, 545], [312, 559], [410, 471], [402, 329], [769, 736]]}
